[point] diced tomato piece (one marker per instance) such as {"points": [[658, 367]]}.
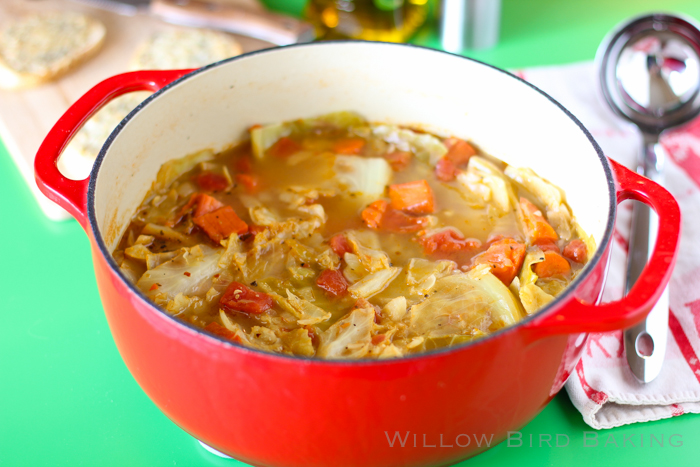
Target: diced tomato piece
{"points": [[211, 181], [340, 244], [284, 147], [447, 241], [576, 251], [459, 151], [537, 228], [445, 170], [414, 197], [548, 245], [458, 154], [253, 230], [380, 216], [221, 223], [372, 214], [333, 282], [394, 220], [250, 182], [554, 265], [256, 229], [449, 244], [378, 339], [219, 330], [315, 339], [244, 164], [398, 160], [505, 257], [349, 146], [239, 297]]}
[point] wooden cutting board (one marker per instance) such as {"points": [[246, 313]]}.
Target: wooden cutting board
{"points": [[26, 116]]}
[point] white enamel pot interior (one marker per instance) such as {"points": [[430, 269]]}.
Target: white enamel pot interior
{"points": [[214, 106]]}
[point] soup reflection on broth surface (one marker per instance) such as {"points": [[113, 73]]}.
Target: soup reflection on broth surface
{"points": [[333, 237]]}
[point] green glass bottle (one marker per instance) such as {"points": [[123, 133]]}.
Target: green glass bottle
{"points": [[375, 20]]}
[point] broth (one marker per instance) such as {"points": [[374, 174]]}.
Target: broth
{"points": [[337, 238]]}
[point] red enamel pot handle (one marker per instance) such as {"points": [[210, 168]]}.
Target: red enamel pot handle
{"points": [[71, 195], [576, 316]]}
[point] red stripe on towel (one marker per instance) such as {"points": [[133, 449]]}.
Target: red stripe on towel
{"points": [[684, 344], [683, 146], [621, 240], [676, 410], [599, 397]]}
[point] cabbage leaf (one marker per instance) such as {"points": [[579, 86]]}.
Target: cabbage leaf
{"points": [[531, 295], [172, 169], [373, 283], [464, 304], [485, 181], [349, 337], [164, 282], [426, 147], [366, 176]]}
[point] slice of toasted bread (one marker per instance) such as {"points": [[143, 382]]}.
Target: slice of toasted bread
{"points": [[40, 47], [184, 48]]}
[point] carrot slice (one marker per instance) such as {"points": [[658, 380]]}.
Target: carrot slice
{"points": [[537, 228], [250, 182], [202, 204], [221, 223], [412, 197], [554, 265], [219, 330], [505, 257], [576, 251], [206, 204], [459, 151], [372, 214], [284, 147], [333, 282], [239, 297], [349, 146]]}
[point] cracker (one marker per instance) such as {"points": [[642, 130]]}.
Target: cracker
{"points": [[167, 49], [40, 47]]}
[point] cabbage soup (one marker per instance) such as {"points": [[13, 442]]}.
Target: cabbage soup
{"points": [[334, 237]]}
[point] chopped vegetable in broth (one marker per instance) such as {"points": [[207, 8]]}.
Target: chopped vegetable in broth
{"points": [[333, 237]]}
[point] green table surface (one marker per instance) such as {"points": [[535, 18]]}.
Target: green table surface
{"points": [[66, 397]]}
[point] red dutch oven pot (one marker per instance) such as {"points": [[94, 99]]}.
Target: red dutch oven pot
{"points": [[275, 410]]}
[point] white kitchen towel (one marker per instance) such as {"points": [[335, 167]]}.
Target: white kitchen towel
{"points": [[603, 388]]}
